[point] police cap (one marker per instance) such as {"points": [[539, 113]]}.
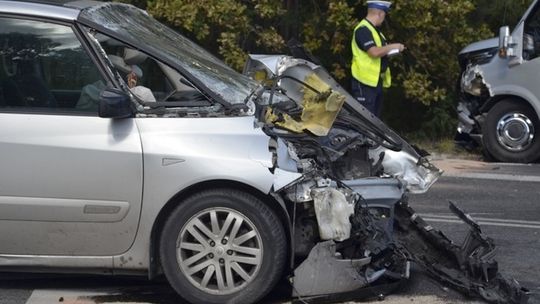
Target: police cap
{"points": [[382, 5]]}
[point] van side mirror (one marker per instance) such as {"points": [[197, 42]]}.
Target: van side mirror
{"points": [[506, 43], [114, 103]]}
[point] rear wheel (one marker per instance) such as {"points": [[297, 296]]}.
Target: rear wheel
{"points": [[511, 132], [223, 246]]}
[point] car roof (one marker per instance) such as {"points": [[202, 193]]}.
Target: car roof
{"points": [[58, 9], [50, 2]]}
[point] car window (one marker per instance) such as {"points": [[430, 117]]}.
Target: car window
{"points": [[136, 27], [44, 67], [144, 76], [532, 35]]}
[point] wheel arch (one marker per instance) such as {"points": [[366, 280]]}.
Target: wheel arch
{"points": [[277, 205], [490, 103]]}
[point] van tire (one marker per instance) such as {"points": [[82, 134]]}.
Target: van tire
{"points": [[512, 132], [249, 252]]}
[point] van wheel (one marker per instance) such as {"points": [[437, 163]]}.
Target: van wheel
{"points": [[222, 246], [511, 132]]}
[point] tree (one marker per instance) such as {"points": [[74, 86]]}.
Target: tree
{"points": [[496, 13], [228, 27]]}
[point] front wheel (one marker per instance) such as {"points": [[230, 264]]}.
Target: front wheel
{"points": [[223, 246], [512, 132]]}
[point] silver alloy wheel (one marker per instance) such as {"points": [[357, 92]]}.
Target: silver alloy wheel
{"points": [[515, 132], [219, 250]]}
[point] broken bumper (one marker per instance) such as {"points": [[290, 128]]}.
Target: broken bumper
{"points": [[378, 256]]}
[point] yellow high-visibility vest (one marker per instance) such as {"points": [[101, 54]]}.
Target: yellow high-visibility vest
{"points": [[365, 68]]}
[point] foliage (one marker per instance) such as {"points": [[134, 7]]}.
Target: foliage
{"points": [[235, 25], [434, 31], [496, 13]]}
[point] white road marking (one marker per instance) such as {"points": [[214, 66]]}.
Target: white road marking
{"points": [[480, 219], [483, 221], [493, 176]]}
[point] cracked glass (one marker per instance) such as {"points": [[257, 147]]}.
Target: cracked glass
{"points": [[136, 27]]}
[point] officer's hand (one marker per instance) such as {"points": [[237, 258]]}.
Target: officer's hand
{"points": [[400, 47]]}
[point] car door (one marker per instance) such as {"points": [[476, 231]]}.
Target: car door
{"points": [[70, 181]]}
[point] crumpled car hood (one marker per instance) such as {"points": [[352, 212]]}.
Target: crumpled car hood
{"points": [[322, 103]]}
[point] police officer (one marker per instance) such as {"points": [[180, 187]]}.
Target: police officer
{"points": [[370, 58]]}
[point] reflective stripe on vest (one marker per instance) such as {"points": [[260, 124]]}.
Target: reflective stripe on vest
{"points": [[365, 68]]}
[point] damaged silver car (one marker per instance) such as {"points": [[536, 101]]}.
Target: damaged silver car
{"points": [[500, 98], [128, 149]]}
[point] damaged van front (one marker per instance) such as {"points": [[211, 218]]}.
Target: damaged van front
{"points": [[500, 100]]}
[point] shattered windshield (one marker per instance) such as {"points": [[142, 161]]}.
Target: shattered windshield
{"points": [[141, 30]]}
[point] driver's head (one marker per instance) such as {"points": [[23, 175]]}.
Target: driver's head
{"points": [[132, 73]]}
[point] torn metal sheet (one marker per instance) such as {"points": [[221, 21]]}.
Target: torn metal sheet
{"points": [[336, 137], [416, 172], [284, 178], [286, 157], [320, 107], [474, 83]]}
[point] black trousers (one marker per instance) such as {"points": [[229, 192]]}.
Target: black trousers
{"points": [[370, 97]]}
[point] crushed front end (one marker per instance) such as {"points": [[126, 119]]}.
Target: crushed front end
{"points": [[474, 90], [344, 177]]}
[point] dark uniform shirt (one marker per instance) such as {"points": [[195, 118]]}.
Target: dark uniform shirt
{"points": [[365, 41]]}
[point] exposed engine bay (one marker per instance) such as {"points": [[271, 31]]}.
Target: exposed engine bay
{"points": [[345, 177]]}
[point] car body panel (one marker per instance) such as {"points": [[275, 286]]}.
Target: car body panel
{"points": [[89, 163], [203, 149], [179, 153], [39, 10], [57, 264]]}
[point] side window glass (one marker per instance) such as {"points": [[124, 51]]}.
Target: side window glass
{"points": [[148, 79], [531, 36], [143, 75], [44, 67]]}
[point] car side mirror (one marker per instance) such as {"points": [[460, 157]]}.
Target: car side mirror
{"points": [[115, 103], [506, 43]]}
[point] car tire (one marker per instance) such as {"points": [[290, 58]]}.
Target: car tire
{"points": [[223, 246], [512, 132]]}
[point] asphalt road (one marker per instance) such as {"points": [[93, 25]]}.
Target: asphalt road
{"points": [[504, 198]]}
